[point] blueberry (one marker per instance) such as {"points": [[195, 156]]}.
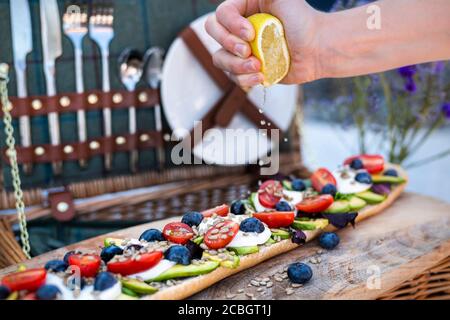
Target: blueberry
{"points": [[251, 225], [298, 185], [329, 189], [109, 252], [283, 206], [364, 177], [356, 164], [299, 273], [391, 173], [238, 207], [56, 265], [151, 235], [178, 254], [104, 281], [192, 218], [4, 292], [48, 292], [328, 240], [68, 254]]}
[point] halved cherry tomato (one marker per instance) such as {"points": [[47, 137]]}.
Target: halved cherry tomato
{"points": [[276, 219], [89, 264], [222, 211], [30, 296], [132, 266], [373, 163], [315, 204], [29, 280], [270, 193], [221, 234], [321, 177], [178, 232]]}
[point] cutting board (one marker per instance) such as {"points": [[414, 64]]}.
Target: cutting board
{"points": [[378, 255]]}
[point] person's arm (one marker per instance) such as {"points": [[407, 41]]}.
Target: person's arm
{"points": [[412, 31]]}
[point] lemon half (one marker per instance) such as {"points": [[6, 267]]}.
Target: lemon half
{"points": [[270, 47]]}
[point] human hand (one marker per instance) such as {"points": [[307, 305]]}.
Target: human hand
{"points": [[233, 31]]}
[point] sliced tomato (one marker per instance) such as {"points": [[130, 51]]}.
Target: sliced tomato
{"points": [[221, 234], [315, 204], [270, 193], [30, 296], [133, 265], [178, 232], [276, 219], [29, 280], [89, 264], [373, 163], [222, 211], [321, 177]]}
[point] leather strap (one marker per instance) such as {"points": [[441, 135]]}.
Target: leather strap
{"points": [[88, 101]]}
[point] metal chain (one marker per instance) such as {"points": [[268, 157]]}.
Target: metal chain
{"points": [[12, 155]]}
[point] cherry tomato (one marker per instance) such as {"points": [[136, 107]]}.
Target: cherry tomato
{"points": [[29, 280], [88, 263], [222, 211], [276, 219], [132, 266], [371, 162], [221, 234], [30, 296], [320, 178], [270, 193], [178, 232], [315, 204]]}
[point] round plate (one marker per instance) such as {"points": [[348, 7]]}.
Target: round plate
{"points": [[188, 93]]}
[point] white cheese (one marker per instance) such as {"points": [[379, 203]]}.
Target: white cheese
{"points": [[292, 197], [249, 239], [258, 206], [346, 183], [155, 271]]}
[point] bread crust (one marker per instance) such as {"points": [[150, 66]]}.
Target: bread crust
{"points": [[196, 284]]}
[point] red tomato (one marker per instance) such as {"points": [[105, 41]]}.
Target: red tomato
{"points": [[178, 232], [225, 232], [315, 204], [371, 162], [276, 219], [30, 296], [270, 193], [222, 211], [320, 178], [132, 266], [29, 280], [88, 263]]}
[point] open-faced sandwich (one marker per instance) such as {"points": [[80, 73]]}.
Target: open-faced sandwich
{"points": [[188, 256]]}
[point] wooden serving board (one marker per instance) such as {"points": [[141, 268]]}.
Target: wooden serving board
{"points": [[382, 252]]}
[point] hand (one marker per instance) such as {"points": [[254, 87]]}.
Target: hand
{"points": [[230, 28]]}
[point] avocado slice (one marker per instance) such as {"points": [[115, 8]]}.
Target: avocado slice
{"points": [[310, 225], [112, 241], [129, 292], [339, 206], [307, 183], [387, 179], [357, 203], [181, 271], [243, 251], [229, 262], [198, 240], [124, 296], [371, 197], [287, 184], [270, 241], [138, 286], [283, 234]]}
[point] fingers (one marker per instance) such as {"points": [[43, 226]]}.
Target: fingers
{"points": [[248, 80], [233, 64], [227, 40], [230, 15]]}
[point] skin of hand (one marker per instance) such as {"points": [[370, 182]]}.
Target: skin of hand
{"points": [[333, 45]]}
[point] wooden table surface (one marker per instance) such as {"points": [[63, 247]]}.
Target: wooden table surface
{"points": [[381, 253]]}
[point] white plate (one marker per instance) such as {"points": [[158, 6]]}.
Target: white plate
{"points": [[188, 93]]}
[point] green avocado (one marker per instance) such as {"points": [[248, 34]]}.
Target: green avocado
{"points": [[283, 234], [270, 241], [198, 240], [339, 206], [371, 197], [112, 241], [387, 179], [181, 271], [124, 296], [357, 203], [287, 184], [230, 261], [243, 251], [138, 286], [310, 224]]}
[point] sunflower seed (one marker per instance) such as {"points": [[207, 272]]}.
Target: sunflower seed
{"points": [[213, 237], [266, 279], [231, 233], [269, 284], [289, 291], [249, 294], [240, 290], [214, 231], [259, 289], [296, 285], [230, 296], [254, 283]]}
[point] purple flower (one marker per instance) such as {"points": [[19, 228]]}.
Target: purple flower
{"points": [[408, 71], [446, 109], [439, 67], [410, 85]]}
